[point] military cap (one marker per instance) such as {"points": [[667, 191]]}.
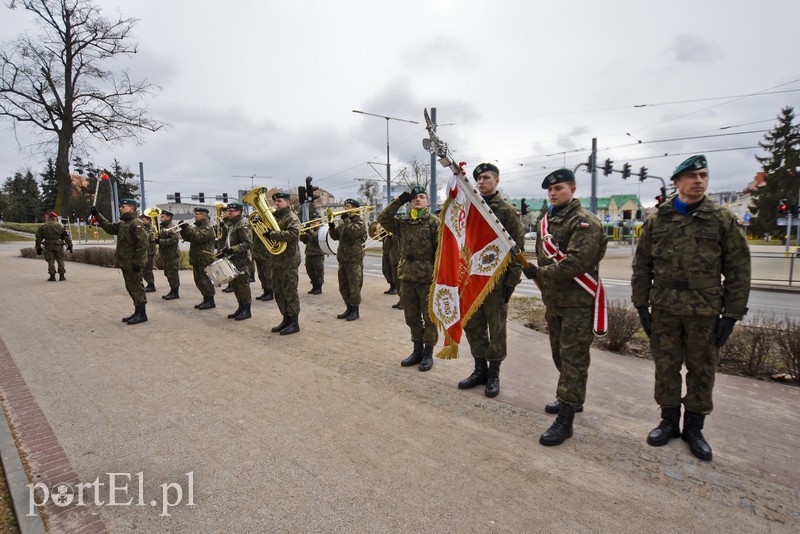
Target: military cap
{"points": [[557, 177], [483, 167], [235, 206], [201, 209], [167, 213], [692, 164], [281, 194], [145, 216], [53, 214], [129, 202], [418, 190], [353, 202]]}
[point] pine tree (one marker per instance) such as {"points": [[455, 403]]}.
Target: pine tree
{"points": [[23, 198], [49, 186], [781, 166]]}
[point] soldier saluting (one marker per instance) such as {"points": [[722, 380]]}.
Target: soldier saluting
{"points": [[691, 282]]}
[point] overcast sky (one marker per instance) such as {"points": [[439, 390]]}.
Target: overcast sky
{"points": [[267, 88]]}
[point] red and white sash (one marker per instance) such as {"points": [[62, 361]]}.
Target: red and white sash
{"points": [[588, 282]]}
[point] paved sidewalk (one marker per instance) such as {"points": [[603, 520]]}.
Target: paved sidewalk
{"points": [[324, 431]]}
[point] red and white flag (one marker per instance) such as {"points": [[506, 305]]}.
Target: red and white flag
{"points": [[471, 258]]}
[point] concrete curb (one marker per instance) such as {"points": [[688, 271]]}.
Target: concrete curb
{"points": [[18, 483]]}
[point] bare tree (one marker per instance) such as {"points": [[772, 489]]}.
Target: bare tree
{"points": [[55, 81], [369, 190], [415, 173]]}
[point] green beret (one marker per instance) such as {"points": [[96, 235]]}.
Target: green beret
{"points": [[235, 206], [201, 210], [353, 202], [168, 213], [280, 194], [557, 177], [692, 164], [418, 190], [482, 168], [129, 202]]}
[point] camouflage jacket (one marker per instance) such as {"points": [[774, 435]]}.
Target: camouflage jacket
{"points": [[417, 242], [696, 264], [201, 237], [507, 215], [351, 232], [311, 239], [53, 235], [239, 239], [578, 234], [168, 241], [131, 239], [290, 234], [260, 251], [152, 239]]}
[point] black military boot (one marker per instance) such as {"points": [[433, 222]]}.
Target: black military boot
{"points": [[244, 314], [150, 288], [128, 318], [228, 289], [207, 304], [268, 295], [415, 357], [561, 429], [140, 316], [493, 379], [52, 278], [315, 290], [353, 314], [61, 277], [282, 325], [427, 358], [478, 376], [398, 306], [172, 295], [554, 406], [292, 326], [237, 312], [391, 291], [668, 428], [693, 435], [345, 314]]}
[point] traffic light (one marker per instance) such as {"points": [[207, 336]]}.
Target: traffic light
{"points": [[794, 209], [660, 199], [523, 208], [626, 171], [642, 174], [225, 197], [177, 197], [311, 190], [783, 207], [301, 194], [608, 168], [201, 197], [589, 163]]}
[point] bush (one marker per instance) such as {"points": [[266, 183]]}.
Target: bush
{"points": [[623, 323], [788, 341], [101, 256], [750, 348]]}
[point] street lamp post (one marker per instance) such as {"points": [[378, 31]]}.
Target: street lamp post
{"points": [[388, 161]]}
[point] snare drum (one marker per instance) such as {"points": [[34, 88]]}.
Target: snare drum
{"points": [[221, 272], [327, 244]]}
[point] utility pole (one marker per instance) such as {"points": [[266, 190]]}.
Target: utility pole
{"points": [[432, 194], [141, 183], [593, 198]]}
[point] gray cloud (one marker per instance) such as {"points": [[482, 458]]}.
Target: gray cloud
{"points": [[691, 48]]}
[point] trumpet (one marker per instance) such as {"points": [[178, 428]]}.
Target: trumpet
{"points": [[153, 213], [176, 229], [330, 215], [265, 220]]}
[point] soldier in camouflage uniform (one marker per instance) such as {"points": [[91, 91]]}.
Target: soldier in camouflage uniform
{"points": [[131, 253], [417, 237], [222, 231], [238, 248], [486, 330], [389, 273], [53, 236], [315, 258], [351, 232], [152, 248], [263, 262], [201, 254], [286, 264], [570, 308], [692, 269], [394, 263], [170, 255]]}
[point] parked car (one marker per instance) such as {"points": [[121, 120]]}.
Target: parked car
{"points": [[530, 236]]}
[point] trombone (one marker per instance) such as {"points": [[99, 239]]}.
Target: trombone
{"points": [[330, 215], [376, 234]]}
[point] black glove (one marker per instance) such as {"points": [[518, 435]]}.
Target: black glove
{"points": [[38, 251], [136, 268], [267, 233], [404, 197], [530, 271], [227, 251], [345, 216], [646, 319], [70, 249], [724, 330], [507, 292], [94, 211], [332, 225]]}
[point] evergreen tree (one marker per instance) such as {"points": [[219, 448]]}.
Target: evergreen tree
{"points": [[49, 186], [781, 166], [23, 198]]}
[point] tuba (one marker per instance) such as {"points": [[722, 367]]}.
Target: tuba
{"points": [[153, 213], [264, 220], [220, 207]]}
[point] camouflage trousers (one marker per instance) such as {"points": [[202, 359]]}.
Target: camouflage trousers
{"points": [[264, 270], [284, 285], [486, 330], [351, 278], [133, 283], [684, 340], [53, 256], [414, 297], [386, 267], [147, 270], [202, 281], [241, 287], [315, 269], [171, 264], [571, 336]]}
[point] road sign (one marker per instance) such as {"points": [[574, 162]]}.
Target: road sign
{"points": [[608, 218], [747, 217], [783, 221]]}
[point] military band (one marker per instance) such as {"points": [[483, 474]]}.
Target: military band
{"points": [[286, 264], [168, 241], [200, 237], [238, 249], [152, 249], [351, 232]]}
